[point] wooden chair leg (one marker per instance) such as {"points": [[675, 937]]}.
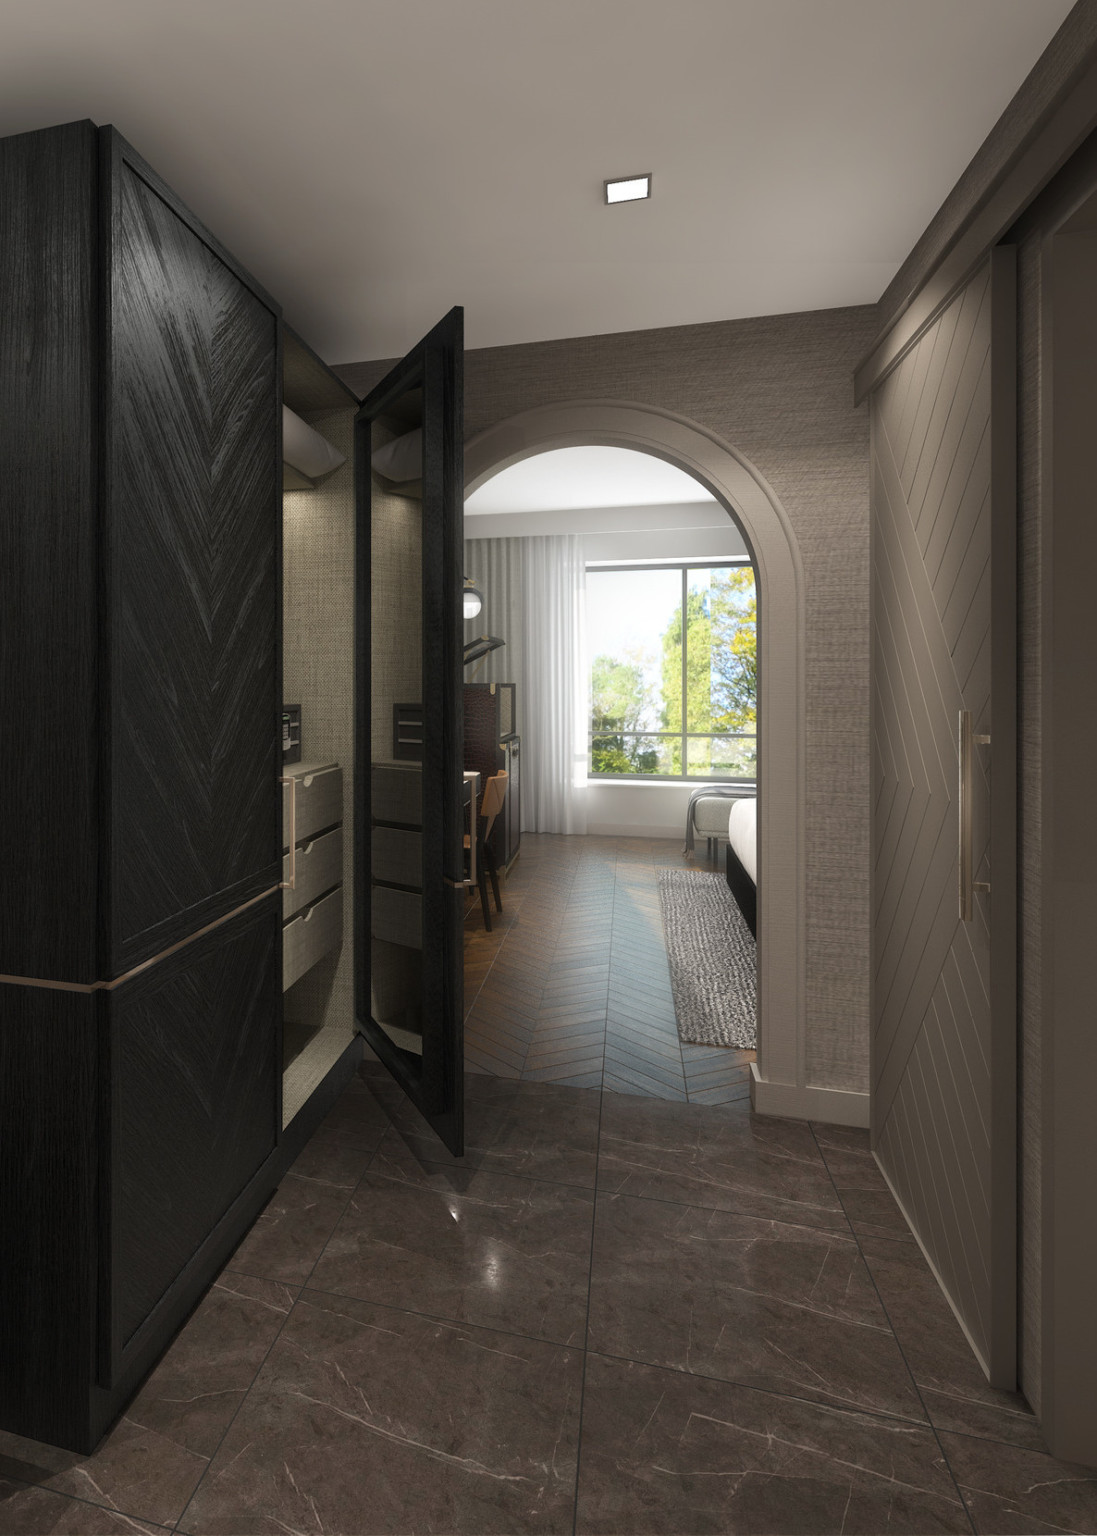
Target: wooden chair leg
{"points": [[495, 888], [483, 884]]}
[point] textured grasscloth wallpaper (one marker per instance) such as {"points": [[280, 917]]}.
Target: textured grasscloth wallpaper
{"points": [[779, 389]]}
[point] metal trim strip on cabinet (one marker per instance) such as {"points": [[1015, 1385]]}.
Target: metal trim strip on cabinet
{"points": [[109, 986]]}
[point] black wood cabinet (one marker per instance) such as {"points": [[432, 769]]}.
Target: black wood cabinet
{"points": [[139, 572], [140, 924], [194, 1058], [194, 493]]}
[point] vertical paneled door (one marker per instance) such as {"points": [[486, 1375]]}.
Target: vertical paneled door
{"points": [[944, 816]]}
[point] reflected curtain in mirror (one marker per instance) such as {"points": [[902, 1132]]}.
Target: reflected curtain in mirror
{"points": [[535, 598]]}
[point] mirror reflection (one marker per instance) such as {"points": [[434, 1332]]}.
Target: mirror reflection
{"points": [[397, 726]]}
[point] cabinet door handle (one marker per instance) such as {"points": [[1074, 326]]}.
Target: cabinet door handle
{"points": [[291, 883]]}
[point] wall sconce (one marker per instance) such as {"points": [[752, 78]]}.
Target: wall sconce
{"points": [[473, 599]]}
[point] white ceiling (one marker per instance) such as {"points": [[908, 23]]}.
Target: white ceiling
{"points": [[374, 162], [567, 479]]}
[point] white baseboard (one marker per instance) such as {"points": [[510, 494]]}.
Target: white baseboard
{"points": [[630, 829], [834, 1106]]}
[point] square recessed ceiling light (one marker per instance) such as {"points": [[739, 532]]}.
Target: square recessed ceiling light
{"points": [[628, 189]]}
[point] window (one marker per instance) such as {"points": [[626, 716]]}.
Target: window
{"points": [[674, 671]]}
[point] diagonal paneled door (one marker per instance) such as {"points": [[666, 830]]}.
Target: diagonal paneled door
{"points": [[943, 1013]]}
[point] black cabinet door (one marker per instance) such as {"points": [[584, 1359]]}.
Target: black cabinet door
{"points": [[194, 1093], [409, 821], [192, 526]]}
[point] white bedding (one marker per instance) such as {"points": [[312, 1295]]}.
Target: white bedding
{"points": [[743, 834]]}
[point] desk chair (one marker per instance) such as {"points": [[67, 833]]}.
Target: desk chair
{"points": [[495, 792]]}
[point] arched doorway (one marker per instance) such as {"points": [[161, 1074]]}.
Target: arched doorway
{"points": [[750, 501]]}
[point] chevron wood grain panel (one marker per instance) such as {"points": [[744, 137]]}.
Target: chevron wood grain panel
{"points": [[194, 506], [934, 1080], [194, 1059]]}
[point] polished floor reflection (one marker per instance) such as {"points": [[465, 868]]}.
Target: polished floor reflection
{"points": [[616, 1314], [572, 986]]}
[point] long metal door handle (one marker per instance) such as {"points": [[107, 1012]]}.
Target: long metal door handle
{"points": [[968, 885], [291, 883], [965, 851]]}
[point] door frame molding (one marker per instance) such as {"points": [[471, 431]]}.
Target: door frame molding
{"points": [[1068, 887], [779, 1077]]}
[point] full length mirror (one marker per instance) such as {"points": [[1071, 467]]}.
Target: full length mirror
{"points": [[397, 877], [410, 848]]}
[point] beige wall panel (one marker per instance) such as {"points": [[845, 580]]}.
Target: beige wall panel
{"points": [[937, 1042]]}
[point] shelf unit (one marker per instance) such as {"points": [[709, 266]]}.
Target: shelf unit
{"points": [[318, 525], [312, 929]]}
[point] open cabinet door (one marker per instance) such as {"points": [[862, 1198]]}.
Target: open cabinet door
{"points": [[410, 821]]}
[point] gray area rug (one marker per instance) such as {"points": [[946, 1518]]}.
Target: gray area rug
{"points": [[712, 958]]}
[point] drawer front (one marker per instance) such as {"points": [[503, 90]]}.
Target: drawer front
{"points": [[319, 803], [396, 793], [397, 857], [396, 917], [309, 937], [319, 866]]}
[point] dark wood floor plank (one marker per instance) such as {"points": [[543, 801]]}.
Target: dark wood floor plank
{"points": [[572, 984]]}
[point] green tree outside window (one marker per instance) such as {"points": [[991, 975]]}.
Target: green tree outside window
{"points": [[638, 726]]}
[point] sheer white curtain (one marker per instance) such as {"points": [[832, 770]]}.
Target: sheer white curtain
{"points": [[535, 598], [554, 735]]}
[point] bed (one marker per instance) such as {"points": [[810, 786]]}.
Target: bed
{"points": [[742, 858]]}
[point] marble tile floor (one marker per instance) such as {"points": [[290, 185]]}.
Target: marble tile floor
{"points": [[572, 985], [616, 1314]]}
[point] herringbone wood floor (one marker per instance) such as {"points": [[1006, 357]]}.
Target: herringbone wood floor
{"points": [[572, 984]]}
